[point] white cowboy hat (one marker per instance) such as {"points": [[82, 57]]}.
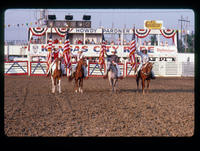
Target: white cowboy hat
{"points": [[144, 50]]}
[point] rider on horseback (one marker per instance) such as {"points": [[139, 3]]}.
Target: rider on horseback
{"points": [[57, 53], [114, 60], [144, 60], [79, 56]]}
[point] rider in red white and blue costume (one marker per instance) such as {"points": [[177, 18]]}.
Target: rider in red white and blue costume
{"points": [[56, 53]]}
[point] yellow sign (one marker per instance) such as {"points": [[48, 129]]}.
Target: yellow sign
{"points": [[152, 24]]}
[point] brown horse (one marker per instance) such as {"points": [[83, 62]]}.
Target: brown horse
{"points": [[144, 74], [78, 76], [56, 75], [112, 77]]}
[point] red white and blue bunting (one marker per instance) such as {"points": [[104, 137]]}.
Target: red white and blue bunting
{"points": [[142, 33], [168, 33], [38, 31], [61, 31]]}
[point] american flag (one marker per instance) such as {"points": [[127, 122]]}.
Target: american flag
{"points": [[67, 52], [49, 50], [103, 49], [132, 49]]}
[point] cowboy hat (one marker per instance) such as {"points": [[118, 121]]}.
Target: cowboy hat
{"points": [[144, 50]]}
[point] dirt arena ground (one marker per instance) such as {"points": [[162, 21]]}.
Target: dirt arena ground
{"points": [[31, 110]]}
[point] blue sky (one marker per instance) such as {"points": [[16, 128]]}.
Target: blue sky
{"points": [[119, 18]]}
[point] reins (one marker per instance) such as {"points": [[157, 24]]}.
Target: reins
{"points": [[146, 74]]}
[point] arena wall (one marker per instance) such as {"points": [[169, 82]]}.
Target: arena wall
{"points": [[160, 68]]}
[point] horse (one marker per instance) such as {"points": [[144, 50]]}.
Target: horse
{"points": [[112, 76], [56, 74], [144, 74], [78, 76]]}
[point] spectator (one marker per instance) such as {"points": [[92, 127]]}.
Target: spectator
{"points": [[60, 41], [55, 41], [92, 42], [161, 43], [166, 43], [125, 42], [87, 41], [80, 42]]}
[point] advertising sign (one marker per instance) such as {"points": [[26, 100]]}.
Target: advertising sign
{"points": [[153, 24]]}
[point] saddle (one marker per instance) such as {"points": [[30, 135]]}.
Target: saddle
{"points": [[144, 65]]}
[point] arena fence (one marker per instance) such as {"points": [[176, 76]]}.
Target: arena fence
{"points": [[160, 68], [16, 68]]}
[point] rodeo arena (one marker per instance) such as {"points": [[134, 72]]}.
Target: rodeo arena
{"points": [[35, 104]]}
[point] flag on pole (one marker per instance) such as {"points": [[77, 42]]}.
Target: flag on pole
{"points": [[67, 51], [103, 49], [133, 49], [49, 59]]}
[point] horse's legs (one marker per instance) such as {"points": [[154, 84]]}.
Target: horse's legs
{"points": [[114, 84], [76, 85], [137, 80], [59, 85], [81, 85], [148, 81], [143, 85], [111, 84], [53, 84]]}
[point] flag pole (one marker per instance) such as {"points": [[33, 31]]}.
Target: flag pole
{"points": [[135, 46]]}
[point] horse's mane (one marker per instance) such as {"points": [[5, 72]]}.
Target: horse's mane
{"points": [[57, 61], [146, 67]]}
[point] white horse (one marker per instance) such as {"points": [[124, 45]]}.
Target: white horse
{"points": [[56, 75], [112, 77]]}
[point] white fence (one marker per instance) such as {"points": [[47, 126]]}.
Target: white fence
{"points": [[160, 68]]}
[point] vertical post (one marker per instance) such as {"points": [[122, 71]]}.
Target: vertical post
{"points": [[29, 53], [176, 39], [46, 37], [84, 38], [158, 39], [125, 68], [181, 28], [122, 37], [8, 52], [88, 66]]}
